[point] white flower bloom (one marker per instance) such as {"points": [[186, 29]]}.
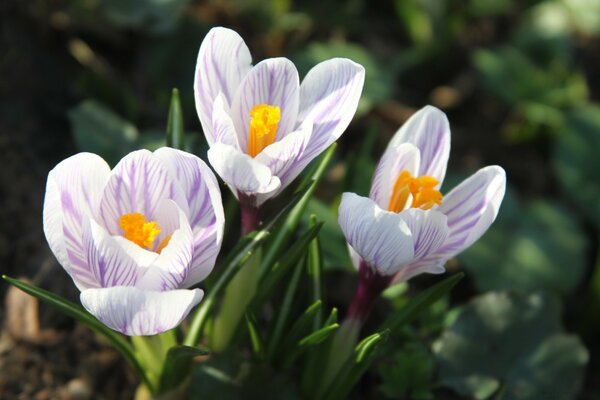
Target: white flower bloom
{"points": [[406, 227], [135, 238], [262, 125]]}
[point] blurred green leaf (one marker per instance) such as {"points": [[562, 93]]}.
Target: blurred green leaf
{"points": [[511, 343], [177, 365], [576, 159], [175, 138], [408, 374], [258, 346], [98, 130], [154, 16], [378, 80], [539, 247], [562, 17]]}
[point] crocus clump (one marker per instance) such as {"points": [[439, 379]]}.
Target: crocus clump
{"points": [[263, 127], [134, 239], [406, 227]]}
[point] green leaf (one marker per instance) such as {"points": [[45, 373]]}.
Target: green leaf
{"points": [[175, 133], [420, 302], [258, 346], [177, 364], [319, 336], [408, 373], [230, 266], [513, 343], [314, 267], [99, 130], [79, 313], [284, 229], [576, 161], [529, 248]]}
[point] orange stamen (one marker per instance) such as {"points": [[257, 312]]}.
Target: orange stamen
{"points": [[422, 189], [264, 120]]}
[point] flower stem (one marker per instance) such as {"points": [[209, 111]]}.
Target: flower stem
{"points": [[370, 286], [250, 215]]}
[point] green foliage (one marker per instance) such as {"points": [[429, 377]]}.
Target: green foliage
{"points": [[176, 365], [175, 133], [576, 160], [408, 373], [511, 345], [532, 247]]}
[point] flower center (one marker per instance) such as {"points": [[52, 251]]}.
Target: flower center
{"points": [[141, 232], [424, 196], [263, 127]]}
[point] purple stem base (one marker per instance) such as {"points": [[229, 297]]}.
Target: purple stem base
{"points": [[370, 286], [250, 214]]}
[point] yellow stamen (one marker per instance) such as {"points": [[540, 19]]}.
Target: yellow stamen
{"points": [[139, 231], [422, 189], [263, 127]]}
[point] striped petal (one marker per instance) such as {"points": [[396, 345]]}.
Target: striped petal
{"points": [[471, 207], [171, 268], [115, 261], [72, 196], [429, 230], [223, 61], [429, 130], [241, 172], [383, 239], [222, 124], [136, 312], [274, 82], [329, 97], [284, 158], [206, 216], [138, 184], [404, 157]]}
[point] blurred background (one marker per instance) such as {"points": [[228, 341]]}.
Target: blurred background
{"points": [[519, 80]]}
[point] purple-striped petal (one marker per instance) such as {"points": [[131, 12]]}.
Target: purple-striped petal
{"points": [[137, 312], [138, 184], [284, 158], [241, 172], [274, 82], [471, 207], [429, 130], [222, 124], [73, 193], [206, 215], [171, 268], [223, 61], [329, 97], [381, 238], [429, 230], [115, 261], [404, 157], [418, 268]]}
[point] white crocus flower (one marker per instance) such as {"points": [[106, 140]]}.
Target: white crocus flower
{"points": [[406, 226], [135, 238], [263, 127]]}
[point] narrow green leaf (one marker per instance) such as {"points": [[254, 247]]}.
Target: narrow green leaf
{"points": [[283, 315], [258, 346], [302, 325], [314, 264], [316, 358], [230, 267], [177, 365], [284, 231], [175, 133], [333, 317], [79, 313], [420, 302], [319, 336], [278, 271]]}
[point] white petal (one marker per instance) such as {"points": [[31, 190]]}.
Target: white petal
{"points": [[241, 172], [114, 262], [404, 157], [329, 97], [138, 184], [381, 238], [429, 130], [418, 268], [284, 158], [471, 208], [206, 209], [274, 82], [223, 61], [171, 268], [429, 230], [223, 130], [73, 193], [137, 312]]}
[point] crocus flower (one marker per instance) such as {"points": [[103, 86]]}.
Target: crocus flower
{"points": [[262, 125], [406, 226], [135, 238]]}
